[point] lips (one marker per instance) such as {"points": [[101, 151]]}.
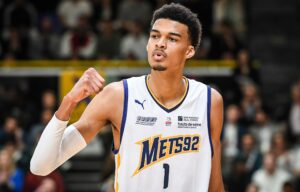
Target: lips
{"points": [[159, 55]]}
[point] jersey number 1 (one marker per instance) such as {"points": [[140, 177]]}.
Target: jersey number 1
{"points": [[166, 178]]}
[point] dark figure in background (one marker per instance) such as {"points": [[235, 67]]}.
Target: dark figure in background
{"points": [[246, 72], [80, 42], [225, 43], [45, 44], [248, 160], [108, 45], [21, 15]]}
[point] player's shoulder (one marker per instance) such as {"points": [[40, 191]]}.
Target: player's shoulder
{"points": [[114, 88], [111, 92], [118, 87]]}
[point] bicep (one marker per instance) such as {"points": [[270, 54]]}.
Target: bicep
{"points": [[216, 181]]}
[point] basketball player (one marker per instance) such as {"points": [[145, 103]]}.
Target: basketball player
{"points": [[166, 127]]}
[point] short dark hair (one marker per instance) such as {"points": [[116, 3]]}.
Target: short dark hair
{"points": [[181, 14]]}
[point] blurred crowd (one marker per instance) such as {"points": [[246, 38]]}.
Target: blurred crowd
{"points": [[261, 151], [109, 29]]}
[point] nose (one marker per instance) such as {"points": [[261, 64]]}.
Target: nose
{"points": [[161, 43]]}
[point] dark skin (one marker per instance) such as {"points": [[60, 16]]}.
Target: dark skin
{"points": [[168, 49]]}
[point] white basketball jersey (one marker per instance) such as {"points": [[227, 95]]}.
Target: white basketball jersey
{"points": [[164, 149]]}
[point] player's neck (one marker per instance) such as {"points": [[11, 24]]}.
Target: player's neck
{"points": [[167, 88]]}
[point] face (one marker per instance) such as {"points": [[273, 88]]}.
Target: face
{"points": [[10, 124], [169, 45], [4, 158], [269, 163], [247, 142], [233, 114], [48, 99], [296, 93]]}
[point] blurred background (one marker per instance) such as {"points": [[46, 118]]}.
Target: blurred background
{"points": [[249, 52]]}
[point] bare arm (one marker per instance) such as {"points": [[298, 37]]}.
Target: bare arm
{"points": [[101, 110], [216, 119], [58, 143]]}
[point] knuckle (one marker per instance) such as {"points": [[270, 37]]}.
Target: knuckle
{"points": [[91, 69], [87, 72], [85, 80]]}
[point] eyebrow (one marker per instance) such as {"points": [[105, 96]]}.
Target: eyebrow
{"points": [[171, 33]]}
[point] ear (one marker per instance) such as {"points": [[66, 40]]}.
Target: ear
{"points": [[147, 47], [190, 52]]}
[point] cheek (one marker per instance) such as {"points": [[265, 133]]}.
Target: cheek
{"points": [[178, 52]]}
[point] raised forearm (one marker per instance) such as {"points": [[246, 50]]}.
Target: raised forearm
{"points": [[66, 108]]}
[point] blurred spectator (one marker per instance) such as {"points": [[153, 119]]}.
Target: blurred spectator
{"points": [[50, 183], [20, 20], [270, 177], [49, 100], [288, 187], [11, 178], [70, 12], [250, 155], [294, 113], [20, 15], [247, 162], [263, 130], [15, 45], [280, 151], [133, 45], [204, 48], [231, 10], [45, 44], [103, 10], [237, 180], [252, 188], [294, 155], [133, 10], [11, 133], [37, 129], [79, 43], [245, 72], [108, 44], [16, 100], [251, 102], [47, 185], [225, 43], [233, 132]]}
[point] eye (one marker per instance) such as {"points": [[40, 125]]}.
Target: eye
{"points": [[172, 39], [154, 36]]}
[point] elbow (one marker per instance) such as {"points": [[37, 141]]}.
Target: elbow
{"points": [[38, 169]]}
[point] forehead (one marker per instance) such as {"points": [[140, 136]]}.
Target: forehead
{"points": [[170, 26]]}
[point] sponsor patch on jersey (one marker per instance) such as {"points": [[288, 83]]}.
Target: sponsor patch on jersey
{"points": [[157, 148], [188, 122], [168, 121], [150, 121]]}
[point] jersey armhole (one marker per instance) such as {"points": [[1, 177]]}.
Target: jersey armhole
{"points": [[208, 118], [124, 116]]}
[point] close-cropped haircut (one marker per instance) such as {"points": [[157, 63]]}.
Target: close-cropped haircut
{"points": [[181, 14]]}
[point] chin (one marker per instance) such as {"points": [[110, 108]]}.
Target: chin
{"points": [[158, 67]]}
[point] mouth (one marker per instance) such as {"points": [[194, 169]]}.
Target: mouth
{"points": [[159, 55]]}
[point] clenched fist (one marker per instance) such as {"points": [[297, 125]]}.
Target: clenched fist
{"points": [[88, 84]]}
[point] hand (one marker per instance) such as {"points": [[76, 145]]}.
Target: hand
{"points": [[89, 83]]}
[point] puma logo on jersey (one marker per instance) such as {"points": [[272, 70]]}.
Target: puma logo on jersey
{"points": [[138, 102], [157, 148]]}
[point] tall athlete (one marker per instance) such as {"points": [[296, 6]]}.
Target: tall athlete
{"points": [[166, 127]]}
